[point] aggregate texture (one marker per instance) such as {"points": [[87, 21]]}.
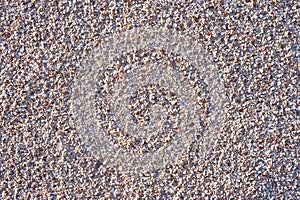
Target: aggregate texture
{"points": [[255, 48], [130, 115]]}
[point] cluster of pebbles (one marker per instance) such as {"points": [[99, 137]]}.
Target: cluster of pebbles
{"points": [[118, 70], [164, 121], [255, 46], [140, 104]]}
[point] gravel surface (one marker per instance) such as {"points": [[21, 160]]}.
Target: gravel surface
{"points": [[253, 44]]}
